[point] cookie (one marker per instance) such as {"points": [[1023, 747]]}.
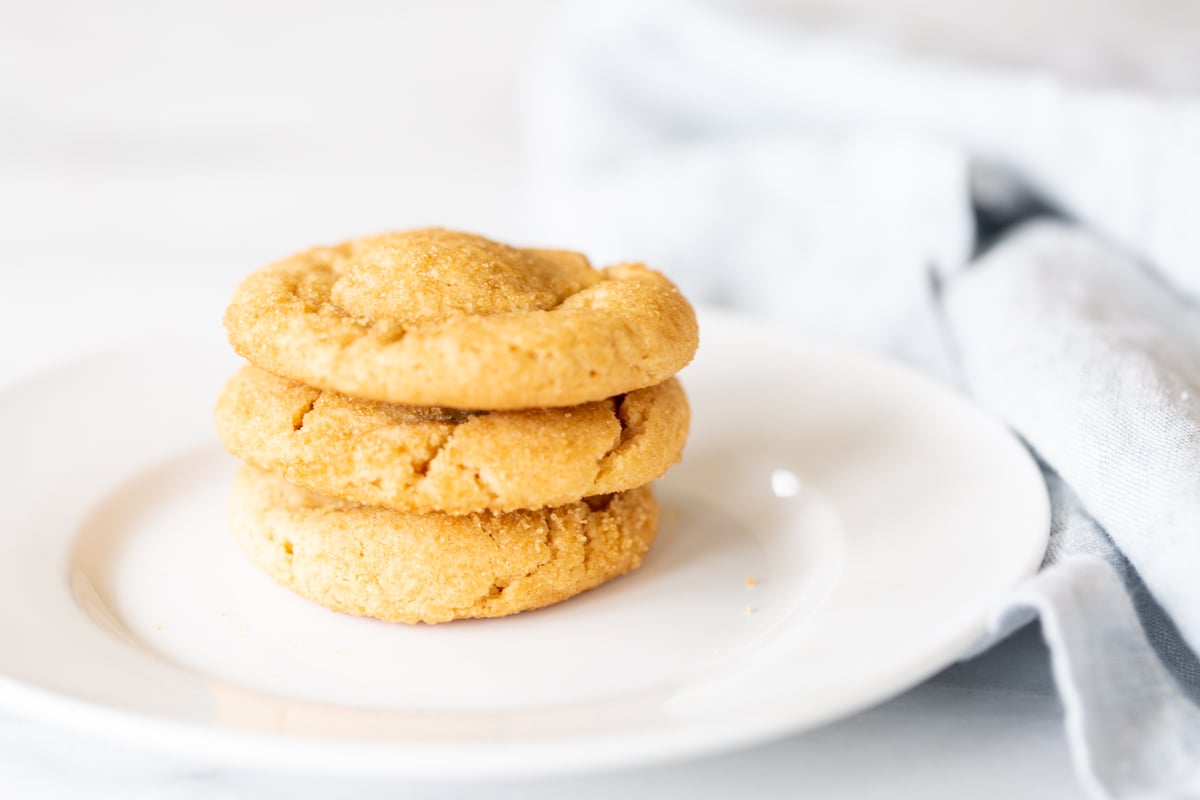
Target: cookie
{"points": [[441, 318], [411, 568], [411, 458]]}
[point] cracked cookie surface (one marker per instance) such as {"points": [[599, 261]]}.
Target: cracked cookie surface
{"points": [[441, 318], [402, 567], [428, 459]]}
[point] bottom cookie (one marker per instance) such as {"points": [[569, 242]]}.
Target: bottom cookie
{"points": [[402, 567]]}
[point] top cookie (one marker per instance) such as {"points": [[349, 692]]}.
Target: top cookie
{"points": [[442, 318]]}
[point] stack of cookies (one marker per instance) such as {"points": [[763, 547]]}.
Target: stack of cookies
{"points": [[439, 426]]}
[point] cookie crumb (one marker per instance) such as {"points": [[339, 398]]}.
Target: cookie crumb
{"points": [[751, 582], [748, 610], [160, 628]]}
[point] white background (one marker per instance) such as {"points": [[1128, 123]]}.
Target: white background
{"points": [[151, 153]]}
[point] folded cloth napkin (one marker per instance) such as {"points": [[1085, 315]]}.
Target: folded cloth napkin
{"points": [[886, 199]]}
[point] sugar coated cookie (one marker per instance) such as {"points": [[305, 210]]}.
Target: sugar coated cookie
{"points": [[412, 568], [429, 459], [441, 318]]}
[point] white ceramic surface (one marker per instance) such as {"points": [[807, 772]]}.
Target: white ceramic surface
{"points": [[880, 516]]}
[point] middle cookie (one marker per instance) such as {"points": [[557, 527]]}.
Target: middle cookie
{"points": [[428, 459]]}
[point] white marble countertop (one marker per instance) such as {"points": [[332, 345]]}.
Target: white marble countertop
{"points": [[989, 728], [150, 157]]}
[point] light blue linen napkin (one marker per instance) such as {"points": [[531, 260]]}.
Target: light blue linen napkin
{"points": [[886, 199]]}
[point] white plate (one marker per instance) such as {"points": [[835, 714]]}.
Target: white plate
{"points": [[880, 515]]}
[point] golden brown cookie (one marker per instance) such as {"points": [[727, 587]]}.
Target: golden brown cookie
{"points": [[411, 458], [433, 567], [441, 318]]}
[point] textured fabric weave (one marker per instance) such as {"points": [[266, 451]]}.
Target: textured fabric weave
{"points": [[882, 199]]}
